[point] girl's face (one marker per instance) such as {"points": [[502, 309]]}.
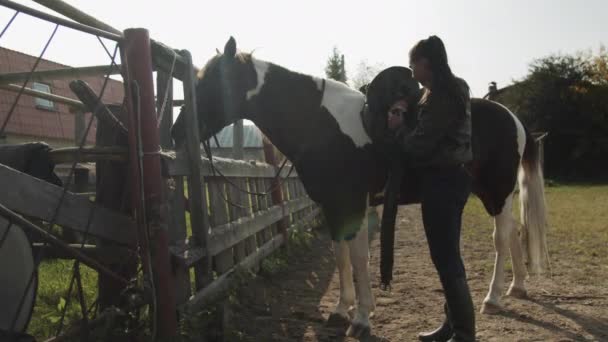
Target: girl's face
{"points": [[421, 68], [395, 115]]}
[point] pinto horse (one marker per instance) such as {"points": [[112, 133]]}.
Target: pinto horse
{"points": [[318, 125]]}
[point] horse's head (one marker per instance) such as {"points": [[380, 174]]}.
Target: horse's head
{"points": [[221, 93]]}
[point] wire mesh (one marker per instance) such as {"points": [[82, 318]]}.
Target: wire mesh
{"points": [[75, 276]]}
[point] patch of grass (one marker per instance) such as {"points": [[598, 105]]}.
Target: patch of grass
{"points": [[54, 279], [55, 275], [578, 227], [300, 238], [299, 241], [188, 224], [196, 326], [214, 321], [209, 324], [274, 264]]}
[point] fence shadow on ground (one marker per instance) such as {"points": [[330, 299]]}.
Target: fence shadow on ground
{"points": [[592, 326], [596, 327], [290, 305]]}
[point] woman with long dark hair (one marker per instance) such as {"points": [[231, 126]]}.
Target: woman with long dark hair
{"points": [[437, 148]]}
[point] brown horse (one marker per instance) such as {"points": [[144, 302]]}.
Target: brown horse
{"points": [[318, 125]]}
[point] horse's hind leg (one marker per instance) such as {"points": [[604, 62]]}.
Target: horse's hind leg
{"points": [[504, 225], [347, 290], [517, 288]]}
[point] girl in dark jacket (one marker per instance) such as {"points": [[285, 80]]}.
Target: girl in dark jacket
{"points": [[438, 146]]}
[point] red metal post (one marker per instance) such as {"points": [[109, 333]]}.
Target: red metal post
{"points": [[144, 154], [277, 192]]}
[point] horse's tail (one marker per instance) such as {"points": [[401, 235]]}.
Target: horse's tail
{"points": [[533, 208]]}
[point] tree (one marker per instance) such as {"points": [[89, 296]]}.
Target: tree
{"points": [[599, 66], [567, 96], [365, 73], [335, 68]]}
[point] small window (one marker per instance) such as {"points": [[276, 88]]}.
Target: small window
{"points": [[43, 103]]}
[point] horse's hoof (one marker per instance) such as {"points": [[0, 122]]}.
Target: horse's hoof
{"points": [[517, 293], [337, 320], [360, 331], [491, 308]]}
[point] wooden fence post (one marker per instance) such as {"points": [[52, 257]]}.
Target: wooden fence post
{"points": [[277, 193], [177, 236], [164, 86], [112, 191], [198, 202], [238, 140], [220, 215], [145, 162]]}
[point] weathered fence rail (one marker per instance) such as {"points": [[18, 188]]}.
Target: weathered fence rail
{"points": [[242, 223]]}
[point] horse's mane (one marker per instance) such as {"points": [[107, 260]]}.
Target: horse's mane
{"points": [[247, 57], [243, 57]]}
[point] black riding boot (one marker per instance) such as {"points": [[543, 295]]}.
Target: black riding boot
{"points": [[441, 334], [462, 313]]}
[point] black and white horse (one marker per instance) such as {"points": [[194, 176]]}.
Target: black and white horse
{"points": [[317, 124]]}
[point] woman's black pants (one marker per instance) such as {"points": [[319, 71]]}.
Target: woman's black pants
{"points": [[444, 193]]}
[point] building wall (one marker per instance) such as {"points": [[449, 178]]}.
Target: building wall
{"points": [[56, 125]]}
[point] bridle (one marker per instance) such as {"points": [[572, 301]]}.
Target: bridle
{"points": [[216, 172]]}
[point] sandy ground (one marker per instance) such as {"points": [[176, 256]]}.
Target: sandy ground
{"points": [[293, 305]]}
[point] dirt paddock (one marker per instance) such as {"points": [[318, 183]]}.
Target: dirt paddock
{"points": [[294, 304]]}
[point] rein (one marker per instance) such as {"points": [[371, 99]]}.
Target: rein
{"points": [[387, 226], [216, 172]]}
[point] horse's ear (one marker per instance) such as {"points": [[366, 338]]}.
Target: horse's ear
{"points": [[230, 48], [217, 51]]}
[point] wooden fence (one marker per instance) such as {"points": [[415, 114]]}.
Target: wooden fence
{"points": [[215, 224], [243, 227], [225, 225]]}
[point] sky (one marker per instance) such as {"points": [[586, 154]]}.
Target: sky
{"points": [[485, 40]]}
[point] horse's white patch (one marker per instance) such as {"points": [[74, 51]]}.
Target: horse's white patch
{"points": [[347, 289], [521, 135], [359, 258], [261, 68], [345, 105], [521, 132]]}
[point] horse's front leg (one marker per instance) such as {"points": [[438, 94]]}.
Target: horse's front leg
{"points": [[359, 256], [347, 289]]}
